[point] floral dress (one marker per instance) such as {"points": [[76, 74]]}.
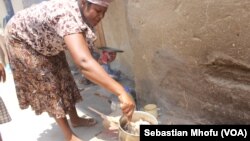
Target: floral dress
{"points": [[34, 37]]}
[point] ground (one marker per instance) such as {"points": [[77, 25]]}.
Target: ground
{"points": [[26, 126]]}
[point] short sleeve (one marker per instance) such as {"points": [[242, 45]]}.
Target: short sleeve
{"points": [[65, 24]]}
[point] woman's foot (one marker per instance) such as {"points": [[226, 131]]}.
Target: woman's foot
{"points": [[83, 122], [77, 121]]}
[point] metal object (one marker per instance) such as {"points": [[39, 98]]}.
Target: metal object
{"points": [[138, 115], [97, 112]]}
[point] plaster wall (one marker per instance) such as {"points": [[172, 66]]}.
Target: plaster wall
{"points": [[17, 5], [115, 26], [190, 57], [3, 13]]}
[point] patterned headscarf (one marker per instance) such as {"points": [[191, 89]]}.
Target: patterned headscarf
{"points": [[104, 3]]}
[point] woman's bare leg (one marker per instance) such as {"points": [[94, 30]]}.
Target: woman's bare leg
{"points": [[78, 121], [68, 133]]}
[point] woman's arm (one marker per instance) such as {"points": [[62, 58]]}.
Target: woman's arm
{"points": [[92, 70]]}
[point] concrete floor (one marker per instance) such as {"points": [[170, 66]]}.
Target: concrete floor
{"points": [[26, 126]]}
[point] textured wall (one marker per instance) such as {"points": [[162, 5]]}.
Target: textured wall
{"points": [[116, 35], [191, 57], [3, 13], [27, 3]]}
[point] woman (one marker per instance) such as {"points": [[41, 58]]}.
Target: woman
{"points": [[36, 38]]}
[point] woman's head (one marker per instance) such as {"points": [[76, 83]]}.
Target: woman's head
{"points": [[94, 10]]}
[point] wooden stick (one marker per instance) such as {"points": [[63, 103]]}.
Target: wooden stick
{"points": [[98, 112]]}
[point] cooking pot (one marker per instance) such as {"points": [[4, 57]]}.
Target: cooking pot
{"points": [[137, 115]]}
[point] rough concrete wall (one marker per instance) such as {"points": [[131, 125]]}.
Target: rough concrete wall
{"points": [[17, 5], [3, 13], [116, 36], [190, 57], [28, 3]]}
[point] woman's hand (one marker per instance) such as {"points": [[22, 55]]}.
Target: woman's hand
{"points": [[2, 73], [93, 71], [127, 105]]}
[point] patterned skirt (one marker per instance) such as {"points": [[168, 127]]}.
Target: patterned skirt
{"points": [[43, 82], [4, 115]]}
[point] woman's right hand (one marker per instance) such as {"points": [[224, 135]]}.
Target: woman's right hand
{"points": [[93, 71], [127, 105], [2, 73]]}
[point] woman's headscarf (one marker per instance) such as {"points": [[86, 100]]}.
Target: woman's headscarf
{"points": [[104, 3]]}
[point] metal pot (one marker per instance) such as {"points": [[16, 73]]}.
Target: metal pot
{"points": [[126, 136]]}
